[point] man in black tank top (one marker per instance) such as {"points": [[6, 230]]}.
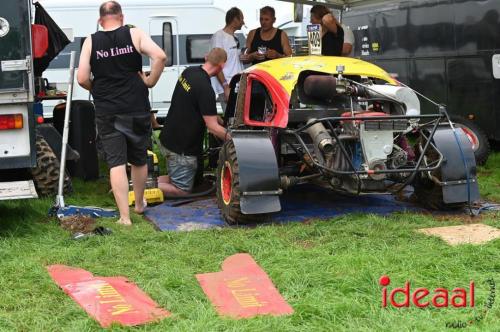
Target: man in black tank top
{"points": [[267, 42], [120, 92], [332, 39]]}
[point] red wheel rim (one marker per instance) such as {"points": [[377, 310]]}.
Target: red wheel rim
{"points": [[472, 137], [226, 183]]}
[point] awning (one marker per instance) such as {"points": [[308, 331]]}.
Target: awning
{"points": [[344, 4]]}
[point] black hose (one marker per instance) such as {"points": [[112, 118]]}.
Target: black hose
{"points": [[469, 203], [194, 195]]}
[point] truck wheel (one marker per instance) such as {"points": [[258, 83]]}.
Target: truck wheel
{"points": [[46, 173], [477, 137], [228, 188], [428, 192]]}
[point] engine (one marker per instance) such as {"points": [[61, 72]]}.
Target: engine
{"points": [[377, 144]]}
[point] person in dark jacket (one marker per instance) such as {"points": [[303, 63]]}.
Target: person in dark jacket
{"points": [[332, 39], [267, 42], [111, 68]]}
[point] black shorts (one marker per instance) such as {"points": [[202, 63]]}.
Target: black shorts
{"points": [[124, 138]]}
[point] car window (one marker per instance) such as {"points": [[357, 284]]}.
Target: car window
{"points": [[261, 103]]}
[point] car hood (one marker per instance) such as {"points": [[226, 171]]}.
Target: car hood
{"points": [[286, 70]]}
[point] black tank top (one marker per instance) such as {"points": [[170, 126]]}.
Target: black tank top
{"points": [[331, 44], [274, 43], [114, 61]]}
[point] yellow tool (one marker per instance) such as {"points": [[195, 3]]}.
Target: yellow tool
{"points": [[152, 194]]}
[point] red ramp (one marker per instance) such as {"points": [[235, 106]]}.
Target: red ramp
{"points": [[107, 299], [243, 289]]}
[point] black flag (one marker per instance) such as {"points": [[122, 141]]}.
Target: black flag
{"points": [[57, 39]]}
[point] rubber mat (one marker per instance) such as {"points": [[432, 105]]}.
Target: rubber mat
{"points": [[298, 205]]}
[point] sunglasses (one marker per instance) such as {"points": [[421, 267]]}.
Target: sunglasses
{"points": [[236, 40]]}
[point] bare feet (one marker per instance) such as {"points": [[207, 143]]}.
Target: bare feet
{"points": [[140, 209], [124, 222]]}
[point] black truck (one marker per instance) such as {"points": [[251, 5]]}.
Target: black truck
{"points": [[449, 50]]}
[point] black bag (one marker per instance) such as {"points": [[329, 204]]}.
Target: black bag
{"points": [[82, 137]]}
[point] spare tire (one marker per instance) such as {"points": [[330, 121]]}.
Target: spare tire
{"points": [[46, 172], [477, 137]]}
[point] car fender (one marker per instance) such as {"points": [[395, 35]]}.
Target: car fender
{"points": [[453, 170], [258, 171]]}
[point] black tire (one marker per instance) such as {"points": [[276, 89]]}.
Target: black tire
{"points": [[430, 195], [228, 196], [213, 155], [46, 173], [476, 135], [427, 192]]}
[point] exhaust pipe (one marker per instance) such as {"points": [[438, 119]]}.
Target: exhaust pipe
{"points": [[320, 136]]}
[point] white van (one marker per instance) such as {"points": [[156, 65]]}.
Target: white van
{"points": [[181, 27]]}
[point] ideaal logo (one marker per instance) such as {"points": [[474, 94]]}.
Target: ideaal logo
{"points": [[439, 298]]}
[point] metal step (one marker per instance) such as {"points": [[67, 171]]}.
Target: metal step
{"points": [[17, 190]]}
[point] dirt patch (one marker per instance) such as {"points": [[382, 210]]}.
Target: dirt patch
{"points": [[464, 234], [404, 196], [82, 224], [464, 218], [305, 244], [308, 221]]}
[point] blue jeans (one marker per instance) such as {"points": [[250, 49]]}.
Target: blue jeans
{"points": [[181, 169]]}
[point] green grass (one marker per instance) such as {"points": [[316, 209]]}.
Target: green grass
{"points": [[327, 270], [489, 184]]}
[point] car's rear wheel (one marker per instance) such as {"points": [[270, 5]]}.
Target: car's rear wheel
{"points": [[228, 188], [428, 192], [430, 195], [476, 136]]}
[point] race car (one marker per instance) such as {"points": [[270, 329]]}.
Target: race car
{"points": [[337, 122]]}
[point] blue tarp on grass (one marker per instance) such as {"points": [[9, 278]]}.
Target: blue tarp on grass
{"points": [[298, 205]]}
